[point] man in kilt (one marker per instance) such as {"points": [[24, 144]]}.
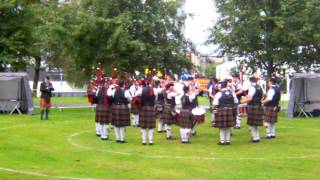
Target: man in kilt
{"points": [[135, 91], [103, 113], [168, 116], [120, 111], [225, 117], [46, 89], [159, 105], [255, 109], [271, 104], [238, 91], [147, 114], [185, 116]]}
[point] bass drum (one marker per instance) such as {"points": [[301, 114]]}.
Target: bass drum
{"points": [[199, 115]]}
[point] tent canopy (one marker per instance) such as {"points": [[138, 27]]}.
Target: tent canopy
{"points": [[304, 89], [14, 87]]}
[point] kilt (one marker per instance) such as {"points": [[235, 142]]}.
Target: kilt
{"points": [[167, 117], [134, 109], [255, 115], [45, 103], [147, 117], [120, 115], [225, 117], [159, 110], [185, 119], [271, 114], [103, 114]]}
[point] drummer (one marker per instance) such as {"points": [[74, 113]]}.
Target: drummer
{"points": [[185, 118], [225, 101]]}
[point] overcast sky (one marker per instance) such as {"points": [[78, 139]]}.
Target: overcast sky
{"points": [[196, 27]]}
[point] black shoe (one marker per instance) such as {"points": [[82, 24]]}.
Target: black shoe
{"points": [[151, 144], [160, 131], [118, 141], [269, 137], [98, 135], [123, 142], [237, 127], [273, 137], [144, 144], [221, 143], [169, 138], [104, 139], [227, 143], [195, 133], [256, 141]]}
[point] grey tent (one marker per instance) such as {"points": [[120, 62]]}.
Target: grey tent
{"points": [[304, 93], [14, 87]]}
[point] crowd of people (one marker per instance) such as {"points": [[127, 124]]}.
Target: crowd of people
{"points": [[154, 99]]}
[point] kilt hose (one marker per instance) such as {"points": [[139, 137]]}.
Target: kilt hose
{"points": [[167, 117], [147, 117], [103, 114], [255, 115], [271, 114], [185, 118], [45, 103], [225, 117], [120, 115]]}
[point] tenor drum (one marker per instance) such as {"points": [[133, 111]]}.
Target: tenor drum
{"points": [[199, 115]]}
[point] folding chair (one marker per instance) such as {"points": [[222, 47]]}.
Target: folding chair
{"points": [[16, 106], [302, 111]]}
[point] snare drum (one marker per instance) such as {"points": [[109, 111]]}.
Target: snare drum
{"points": [[199, 115]]}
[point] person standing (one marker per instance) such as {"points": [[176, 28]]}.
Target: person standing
{"points": [[147, 114], [239, 92], [103, 113], [271, 103], [186, 118], [159, 104], [135, 91], [120, 111], [169, 112], [225, 118], [46, 89], [255, 110]]}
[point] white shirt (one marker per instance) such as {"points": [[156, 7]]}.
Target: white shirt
{"points": [[270, 94], [171, 95], [217, 97], [252, 90], [135, 91], [111, 91]]}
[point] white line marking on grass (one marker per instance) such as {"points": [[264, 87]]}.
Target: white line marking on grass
{"points": [[70, 140], [41, 175]]}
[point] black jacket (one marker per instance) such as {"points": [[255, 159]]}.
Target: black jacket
{"points": [[46, 90]]}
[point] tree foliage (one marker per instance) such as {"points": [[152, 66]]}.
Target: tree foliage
{"points": [[269, 33]]}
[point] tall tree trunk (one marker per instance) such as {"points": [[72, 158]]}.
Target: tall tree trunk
{"points": [[36, 76]]}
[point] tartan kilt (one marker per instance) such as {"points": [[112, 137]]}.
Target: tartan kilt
{"points": [[147, 117], [185, 118], [159, 110], [255, 115], [45, 103], [271, 114], [225, 117], [135, 109], [167, 117], [120, 115], [103, 114]]}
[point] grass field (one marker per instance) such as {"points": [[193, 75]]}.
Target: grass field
{"points": [[65, 147]]}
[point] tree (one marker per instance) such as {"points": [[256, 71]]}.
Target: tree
{"points": [[269, 33], [131, 35]]}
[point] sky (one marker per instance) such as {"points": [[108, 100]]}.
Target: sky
{"points": [[196, 27]]}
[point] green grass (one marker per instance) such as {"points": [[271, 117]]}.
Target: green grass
{"points": [[65, 100], [42, 147]]}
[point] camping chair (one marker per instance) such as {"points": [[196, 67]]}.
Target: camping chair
{"points": [[302, 111], [16, 106]]}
